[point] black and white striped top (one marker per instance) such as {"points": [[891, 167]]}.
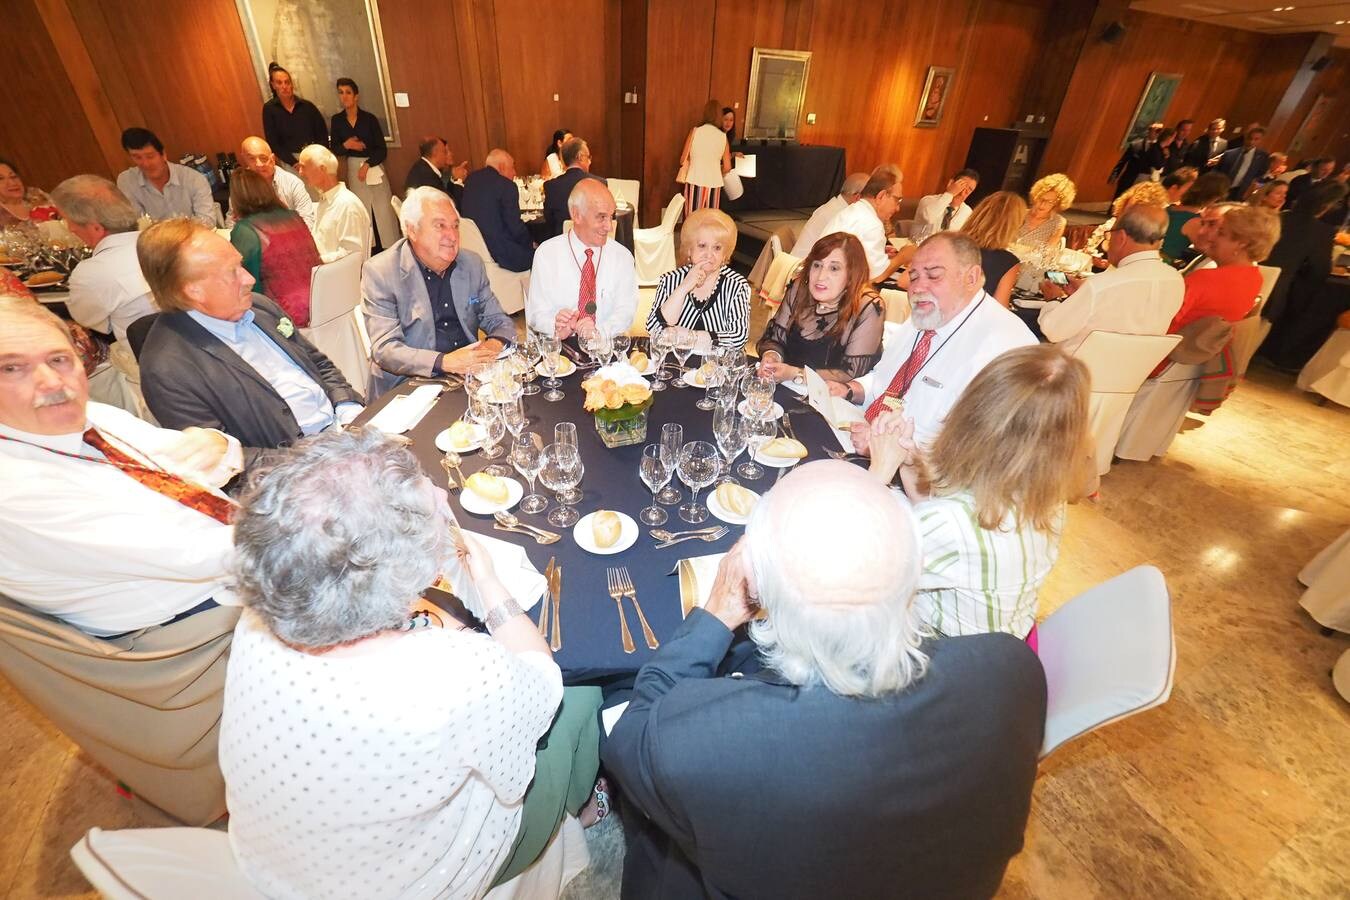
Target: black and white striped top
{"points": [[726, 315]]}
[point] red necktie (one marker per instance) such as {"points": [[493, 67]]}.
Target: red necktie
{"points": [[587, 295], [190, 495], [899, 385]]}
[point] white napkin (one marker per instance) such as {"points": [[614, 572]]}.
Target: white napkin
{"points": [[375, 175], [406, 410], [521, 579], [610, 717], [697, 574], [836, 410]]}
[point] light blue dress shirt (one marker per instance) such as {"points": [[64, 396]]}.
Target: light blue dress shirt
{"points": [[305, 396]]}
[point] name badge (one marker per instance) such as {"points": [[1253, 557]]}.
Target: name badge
{"points": [[931, 383]]}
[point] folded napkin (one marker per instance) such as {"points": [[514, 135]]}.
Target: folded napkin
{"points": [[375, 175], [697, 574], [521, 579], [406, 410], [838, 412]]}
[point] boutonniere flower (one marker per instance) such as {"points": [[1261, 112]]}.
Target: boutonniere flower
{"points": [[286, 327], [474, 301]]}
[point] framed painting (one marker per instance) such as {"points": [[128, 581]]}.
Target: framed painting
{"points": [[1152, 107], [318, 42], [936, 87], [777, 93]]}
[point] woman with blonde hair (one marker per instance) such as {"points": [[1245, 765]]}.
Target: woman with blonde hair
{"points": [[704, 294], [705, 160], [1245, 237], [1044, 225], [831, 319], [993, 226], [990, 493], [1271, 195], [1145, 193]]}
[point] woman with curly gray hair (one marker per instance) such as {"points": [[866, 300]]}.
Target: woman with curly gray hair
{"points": [[372, 746]]}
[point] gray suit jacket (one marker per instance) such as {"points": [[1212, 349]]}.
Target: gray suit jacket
{"points": [[401, 322]]}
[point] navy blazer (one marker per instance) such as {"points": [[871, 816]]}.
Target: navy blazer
{"points": [[493, 202], [756, 787], [1232, 159], [556, 192], [189, 377], [423, 175]]}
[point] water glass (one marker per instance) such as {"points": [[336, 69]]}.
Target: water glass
{"points": [[759, 430], [528, 350], [561, 473], [513, 414], [620, 344], [550, 349], [685, 340], [759, 394], [656, 476], [672, 441], [698, 468], [565, 435], [494, 429], [527, 455], [731, 435], [661, 346], [712, 381]]}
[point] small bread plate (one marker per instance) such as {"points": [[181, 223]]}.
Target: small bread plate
{"points": [[443, 441], [717, 509], [481, 506], [692, 379], [566, 367], [585, 538], [776, 462], [775, 411]]}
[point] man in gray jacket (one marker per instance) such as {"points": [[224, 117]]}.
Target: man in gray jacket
{"points": [[426, 299]]}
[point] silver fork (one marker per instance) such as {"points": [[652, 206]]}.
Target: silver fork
{"points": [[617, 596], [709, 537], [626, 588]]}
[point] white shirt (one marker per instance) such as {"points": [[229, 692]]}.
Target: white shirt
{"points": [[107, 290], [341, 224], [928, 216], [860, 219], [399, 773], [1139, 296], [292, 192], [555, 283], [959, 350], [88, 543], [814, 229], [1247, 156]]}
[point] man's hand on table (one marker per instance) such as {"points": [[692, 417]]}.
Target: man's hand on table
{"points": [[730, 598], [462, 360], [565, 323]]}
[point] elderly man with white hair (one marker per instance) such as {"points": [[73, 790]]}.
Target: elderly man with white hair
{"points": [[256, 154], [341, 221], [863, 760], [583, 279], [426, 298]]}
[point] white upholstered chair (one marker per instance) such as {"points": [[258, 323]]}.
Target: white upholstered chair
{"points": [[897, 305], [1328, 372], [1155, 416], [654, 248], [334, 291], [779, 274], [509, 287], [397, 203], [626, 189], [1118, 364], [155, 863], [1108, 654]]}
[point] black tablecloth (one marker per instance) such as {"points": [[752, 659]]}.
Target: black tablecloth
{"points": [[590, 624], [788, 176], [623, 228]]}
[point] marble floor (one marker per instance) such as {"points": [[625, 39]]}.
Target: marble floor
{"points": [[1238, 787]]}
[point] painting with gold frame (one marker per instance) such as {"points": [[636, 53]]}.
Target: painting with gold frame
{"points": [[936, 88], [777, 93]]}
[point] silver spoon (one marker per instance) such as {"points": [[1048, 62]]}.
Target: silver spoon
{"points": [[662, 534], [511, 521], [452, 460]]}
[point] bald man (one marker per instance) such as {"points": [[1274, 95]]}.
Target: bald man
{"points": [[863, 760], [256, 154], [492, 200]]}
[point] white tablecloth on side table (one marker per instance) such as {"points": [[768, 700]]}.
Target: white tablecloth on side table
{"points": [[1328, 372], [1327, 598]]}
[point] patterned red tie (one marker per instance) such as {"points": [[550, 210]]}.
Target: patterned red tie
{"points": [[899, 385], [586, 297], [177, 489]]}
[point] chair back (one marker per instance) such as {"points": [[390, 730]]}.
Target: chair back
{"points": [[1118, 365], [146, 706], [139, 330], [335, 290], [779, 275], [397, 203], [897, 305], [654, 248], [508, 287], [1108, 653], [162, 863], [671, 217], [470, 238], [1269, 275], [626, 189]]}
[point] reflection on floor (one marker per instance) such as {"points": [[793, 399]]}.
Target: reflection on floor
{"points": [[1239, 787]]}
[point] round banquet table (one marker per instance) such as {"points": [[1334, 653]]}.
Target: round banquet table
{"points": [[591, 646]]}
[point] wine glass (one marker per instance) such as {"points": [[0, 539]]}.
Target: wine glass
{"points": [[527, 455], [655, 475], [712, 380], [561, 473], [730, 433], [494, 429], [758, 394], [529, 351], [597, 346], [513, 414], [661, 344], [620, 344], [759, 430], [565, 434], [698, 467], [685, 340], [550, 349], [672, 440]]}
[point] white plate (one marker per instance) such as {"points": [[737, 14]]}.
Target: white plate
{"points": [[482, 507], [775, 411], [585, 538], [690, 378], [568, 367], [776, 462], [1029, 303], [443, 441], [717, 509]]}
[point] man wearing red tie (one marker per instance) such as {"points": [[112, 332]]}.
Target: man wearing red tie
{"points": [[110, 523], [954, 329], [583, 279]]}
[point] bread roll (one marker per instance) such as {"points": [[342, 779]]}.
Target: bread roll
{"points": [[461, 435], [489, 487], [784, 448], [736, 499], [638, 360], [38, 279], [606, 526]]}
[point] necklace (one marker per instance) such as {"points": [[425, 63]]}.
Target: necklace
{"points": [[599, 256]]}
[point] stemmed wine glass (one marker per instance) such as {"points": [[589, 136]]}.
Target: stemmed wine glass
{"points": [[730, 432], [550, 349], [672, 441], [685, 340], [655, 475], [698, 467], [562, 472], [619, 345], [527, 455], [712, 380], [661, 346], [565, 434], [598, 347], [513, 414], [759, 430], [489, 416], [758, 394]]}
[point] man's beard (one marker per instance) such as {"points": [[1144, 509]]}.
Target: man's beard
{"points": [[926, 320]]}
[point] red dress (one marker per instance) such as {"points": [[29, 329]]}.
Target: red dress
{"points": [[1228, 291]]}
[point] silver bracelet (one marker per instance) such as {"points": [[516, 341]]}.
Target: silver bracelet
{"points": [[500, 614]]}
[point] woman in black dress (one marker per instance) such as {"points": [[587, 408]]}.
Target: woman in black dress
{"points": [[831, 319], [992, 226], [358, 143], [290, 123]]}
